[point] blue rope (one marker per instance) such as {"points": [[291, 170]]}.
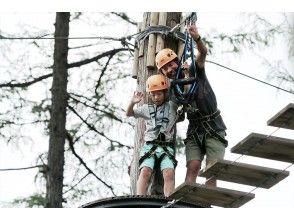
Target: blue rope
{"points": [[188, 40]]}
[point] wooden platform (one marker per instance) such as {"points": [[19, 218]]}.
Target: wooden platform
{"points": [[284, 118], [244, 173], [201, 194], [260, 145]]}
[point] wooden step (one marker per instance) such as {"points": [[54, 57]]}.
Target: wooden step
{"points": [[284, 118], [201, 194], [244, 173], [260, 145]]}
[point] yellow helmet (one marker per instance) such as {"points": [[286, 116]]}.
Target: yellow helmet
{"points": [[164, 56], [156, 82]]}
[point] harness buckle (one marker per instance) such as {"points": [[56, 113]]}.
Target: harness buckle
{"points": [[180, 109]]}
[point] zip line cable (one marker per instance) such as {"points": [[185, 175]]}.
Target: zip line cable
{"points": [[70, 38], [243, 74], [123, 40]]}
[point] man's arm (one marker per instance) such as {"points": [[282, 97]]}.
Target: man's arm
{"points": [[202, 50]]}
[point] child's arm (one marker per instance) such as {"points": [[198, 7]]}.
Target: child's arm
{"points": [[137, 97]]}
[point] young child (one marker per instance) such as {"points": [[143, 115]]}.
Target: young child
{"points": [[158, 150]]}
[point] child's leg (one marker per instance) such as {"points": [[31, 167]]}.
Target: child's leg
{"points": [[168, 171], [169, 181], [143, 180]]}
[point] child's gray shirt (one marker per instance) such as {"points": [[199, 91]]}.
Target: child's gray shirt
{"points": [[165, 116]]}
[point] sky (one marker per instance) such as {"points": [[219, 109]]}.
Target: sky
{"points": [[246, 105]]}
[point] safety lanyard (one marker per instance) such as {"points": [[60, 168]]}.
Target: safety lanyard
{"points": [[179, 94]]}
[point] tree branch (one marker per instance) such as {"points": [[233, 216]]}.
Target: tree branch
{"points": [[22, 168], [94, 129], [93, 59], [25, 84], [124, 17], [72, 187], [109, 114], [71, 145], [102, 73]]}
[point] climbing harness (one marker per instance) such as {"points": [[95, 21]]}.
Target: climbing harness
{"points": [[179, 112], [202, 121], [163, 115], [161, 139], [167, 153]]}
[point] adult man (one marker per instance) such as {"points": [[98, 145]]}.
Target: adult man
{"points": [[206, 130]]}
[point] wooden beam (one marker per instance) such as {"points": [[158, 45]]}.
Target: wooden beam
{"points": [[152, 41], [143, 27], [160, 40], [136, 55], [284, 118], [181, 44], [201, 194], [269, 147], [244, 173]]}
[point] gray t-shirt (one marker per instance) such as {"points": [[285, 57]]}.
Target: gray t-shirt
{"points": [[161, 118]]}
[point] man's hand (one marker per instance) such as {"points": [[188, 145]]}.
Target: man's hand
{"points": [[193, 31]]}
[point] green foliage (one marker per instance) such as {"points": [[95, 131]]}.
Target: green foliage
{"points": [[33, 201]]}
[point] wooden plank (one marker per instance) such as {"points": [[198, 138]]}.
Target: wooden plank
{"points": [[244, 173], [201, 194], [269, 147], [284, 118]]}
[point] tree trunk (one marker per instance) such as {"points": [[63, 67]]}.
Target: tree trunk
{"points": [[144, 72], [58, 113]]}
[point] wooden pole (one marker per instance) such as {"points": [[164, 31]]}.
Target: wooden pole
{"points": [[172, 18], [144, 24], [152, 41], [160, 39], [136, 55], [181, 43]]}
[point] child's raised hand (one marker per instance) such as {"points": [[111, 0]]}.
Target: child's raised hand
{"points": [[137, 97]]}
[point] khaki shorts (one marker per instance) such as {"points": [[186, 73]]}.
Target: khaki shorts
{"points": [[215, 149]]}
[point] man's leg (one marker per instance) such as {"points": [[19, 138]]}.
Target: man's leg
{"points": [[210, 181], [143, 180], [194, 156], [169, 181], [215, 150], [193, 167]]}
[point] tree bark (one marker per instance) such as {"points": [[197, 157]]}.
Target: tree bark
{"points": [[156, 187], [58, 113]]}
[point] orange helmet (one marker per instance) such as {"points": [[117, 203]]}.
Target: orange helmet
{"points": [[164, 56], [156, 82]]}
